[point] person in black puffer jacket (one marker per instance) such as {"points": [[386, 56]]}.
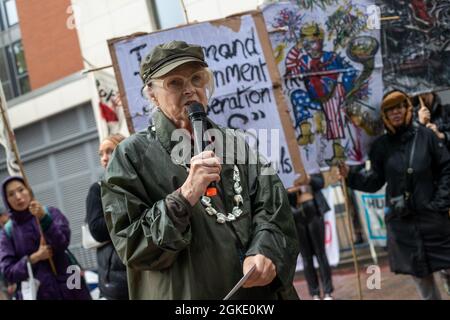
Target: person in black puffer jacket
{"points": [[112, 272], [415, 164]]}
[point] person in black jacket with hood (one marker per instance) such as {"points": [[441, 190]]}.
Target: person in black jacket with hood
{"points": [[415, 164], [309, 206], [112, 272]]}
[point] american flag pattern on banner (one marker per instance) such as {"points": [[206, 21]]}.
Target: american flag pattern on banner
{"points": [[333, 113], [293, 62], [324, 83]]}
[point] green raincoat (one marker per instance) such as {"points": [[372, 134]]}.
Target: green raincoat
{"points": [[175, 251]]}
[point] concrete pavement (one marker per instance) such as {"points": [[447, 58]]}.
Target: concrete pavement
{"points": [[392, 286]]}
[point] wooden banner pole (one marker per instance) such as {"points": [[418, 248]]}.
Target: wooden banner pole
{"points": [[350, 228]]}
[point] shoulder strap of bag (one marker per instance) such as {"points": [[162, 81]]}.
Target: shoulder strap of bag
{"points": [[72, 259], [9, 224], [409, 169], [8, 231], [8, 228]]}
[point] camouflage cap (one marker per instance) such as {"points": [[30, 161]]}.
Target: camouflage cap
{"points": [[167, 56]]}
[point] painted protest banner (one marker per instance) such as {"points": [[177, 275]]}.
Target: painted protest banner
{"points": [[331, 67], [331, 236], [371, 208], [416, 53], [248, 91], [7, 138]]}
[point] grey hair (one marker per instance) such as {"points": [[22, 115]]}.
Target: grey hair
{"points": [[145, 91], [210, 88]]}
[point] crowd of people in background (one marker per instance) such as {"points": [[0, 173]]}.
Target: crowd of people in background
{"points": [[44, 244], [414, 163], [35, 240]]}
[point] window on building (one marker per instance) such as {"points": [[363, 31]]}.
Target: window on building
{"points": [[4, 76], [11, 12], [13, 68], [2, 20], [169, 13], [8, 14], [19, 58], [15, 80], [20, 67]]}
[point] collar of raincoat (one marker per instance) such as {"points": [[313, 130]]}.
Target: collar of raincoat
{"points": [[165, 128]]}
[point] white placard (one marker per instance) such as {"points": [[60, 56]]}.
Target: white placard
{"points": [[245, 96]]}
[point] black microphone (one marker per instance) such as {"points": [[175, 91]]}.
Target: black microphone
{"points": [[197, 116]]}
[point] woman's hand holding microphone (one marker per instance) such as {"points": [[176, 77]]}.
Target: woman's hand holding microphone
{"points": [[205, 168]]}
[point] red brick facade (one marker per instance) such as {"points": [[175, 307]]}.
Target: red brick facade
{"points": [[52, 50]]}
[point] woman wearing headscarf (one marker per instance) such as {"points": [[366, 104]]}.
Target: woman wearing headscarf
{"points": [[111, 270], [21, 242], [415, 164], [177, 242]]}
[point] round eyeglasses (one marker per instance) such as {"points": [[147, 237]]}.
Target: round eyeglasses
{"points": [[177, 83]]}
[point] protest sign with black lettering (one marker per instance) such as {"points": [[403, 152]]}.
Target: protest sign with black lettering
{"points": [[248, 91], [371, 208]]}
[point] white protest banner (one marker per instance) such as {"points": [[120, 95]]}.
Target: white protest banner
{"points": [[248, 86], [371, 208], [7, 138], [331, 236], [108, 109], [331, 67]]}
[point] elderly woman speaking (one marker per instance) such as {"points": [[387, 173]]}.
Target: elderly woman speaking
{"points": [[176, 242]]}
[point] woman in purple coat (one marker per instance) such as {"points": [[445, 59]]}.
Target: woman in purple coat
{"points": [[21, 242]]}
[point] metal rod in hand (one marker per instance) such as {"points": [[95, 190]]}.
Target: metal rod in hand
{"points": [[185, 11], [350, 228], [96, 69], [12, 141]]}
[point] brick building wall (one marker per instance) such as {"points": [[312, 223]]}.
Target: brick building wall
{"points": [[52, 50]]}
